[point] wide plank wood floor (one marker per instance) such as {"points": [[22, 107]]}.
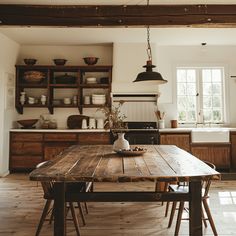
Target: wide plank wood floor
{"points": [[21, 204]]}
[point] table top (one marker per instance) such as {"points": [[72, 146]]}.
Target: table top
{"points": [[99, 163]]}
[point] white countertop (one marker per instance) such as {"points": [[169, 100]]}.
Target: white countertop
{"points": [[166, 130], [187, 129], [61, 130]]}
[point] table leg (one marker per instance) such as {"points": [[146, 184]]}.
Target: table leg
{"points": [[195, 215], [59, 209]]}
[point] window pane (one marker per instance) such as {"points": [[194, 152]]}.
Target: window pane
{"points": [[182, 116], [191, 89], [181, 75], [181, 89], [182, 103], [207, 88], [217, 116], [191, 103], [207, 102], [216, 88], [216, 101], [216, 75], [191, 76], [192, 116], [206, 75], [207, 115]]}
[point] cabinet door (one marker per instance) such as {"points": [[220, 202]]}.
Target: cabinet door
{"points": [[32, 137], [221, 157], [218, 155], [203, 153], [51, 150], [30, 148], [60, 137], [233, 150], [180, 140], [24, 162], [94, 138]]}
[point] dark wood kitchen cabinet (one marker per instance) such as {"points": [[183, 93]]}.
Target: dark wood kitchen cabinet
{"points": [[216, 153], [233, 150], [28, 149], [55, 143], [94, 138], [181, 140]]}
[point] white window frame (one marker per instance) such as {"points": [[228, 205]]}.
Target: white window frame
{"points": [[199, 104]]}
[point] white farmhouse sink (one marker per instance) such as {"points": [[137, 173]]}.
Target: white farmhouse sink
{"points": [[210, 135]]}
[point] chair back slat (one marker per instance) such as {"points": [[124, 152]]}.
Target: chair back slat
{"points": [[206, 183]]}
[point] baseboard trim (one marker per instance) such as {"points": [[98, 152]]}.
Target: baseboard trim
{"points": [[4, 174]]}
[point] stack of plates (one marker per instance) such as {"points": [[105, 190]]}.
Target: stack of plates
{"points": [[99, 99], [91, 80]]}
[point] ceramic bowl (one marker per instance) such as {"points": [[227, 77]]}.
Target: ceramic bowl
{"points": [[27, 124], [60, 62], [90, 60], [30, 61]]}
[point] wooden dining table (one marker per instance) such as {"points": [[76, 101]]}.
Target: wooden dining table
{"points": [[99, 163]]}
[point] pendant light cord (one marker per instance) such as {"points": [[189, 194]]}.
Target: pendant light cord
{"points": [[149, 50]]}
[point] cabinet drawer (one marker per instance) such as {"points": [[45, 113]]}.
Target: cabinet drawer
{"points": [[94, 138], [60, 137], [21, 148], [24, 162], [26, 137], [51, 150]]}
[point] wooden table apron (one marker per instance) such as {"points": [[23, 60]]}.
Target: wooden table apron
{"points": [[98, 163]]}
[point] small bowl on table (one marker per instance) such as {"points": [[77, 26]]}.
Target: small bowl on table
{"points": [[30, 61], [27, 124], [60, 62], [90, 60]]}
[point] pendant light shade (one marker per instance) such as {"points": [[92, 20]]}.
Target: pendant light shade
{"points": [[150, 75]]}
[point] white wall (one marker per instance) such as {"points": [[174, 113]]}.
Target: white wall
{"points": [[9, 50], [128, 59], [172, 56], [74, 55]]}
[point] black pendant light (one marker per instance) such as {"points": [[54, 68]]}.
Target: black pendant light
{"points": [[149, 75]]}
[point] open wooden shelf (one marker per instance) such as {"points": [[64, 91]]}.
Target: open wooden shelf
{"points": [[52, 89]]}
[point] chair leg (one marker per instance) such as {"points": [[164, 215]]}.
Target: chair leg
{"points": [[86, 207], [203, 218], [43, 216], [180, 212], [74, 217], [172, 213], [81, 213], [207, 209], [167, 208]]}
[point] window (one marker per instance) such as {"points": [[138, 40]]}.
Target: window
{"points": [[200, 95]]}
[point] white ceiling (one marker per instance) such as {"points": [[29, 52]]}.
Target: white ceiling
{"points": [[161, 36]]}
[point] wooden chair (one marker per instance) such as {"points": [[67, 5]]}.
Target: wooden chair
{"points": [[182, 188], [48, 189]]}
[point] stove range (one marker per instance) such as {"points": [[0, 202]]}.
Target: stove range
{"points": [[141, 133]]}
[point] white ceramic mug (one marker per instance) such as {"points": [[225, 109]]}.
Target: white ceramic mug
{"points": [[84, 124], [100, 123], [67, 101], [92, 123], [86, 99]]}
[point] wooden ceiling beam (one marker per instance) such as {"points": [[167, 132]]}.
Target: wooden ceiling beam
{"points": [[118, 16]]}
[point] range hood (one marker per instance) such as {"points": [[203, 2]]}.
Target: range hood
{"points": [[136, 106]]}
